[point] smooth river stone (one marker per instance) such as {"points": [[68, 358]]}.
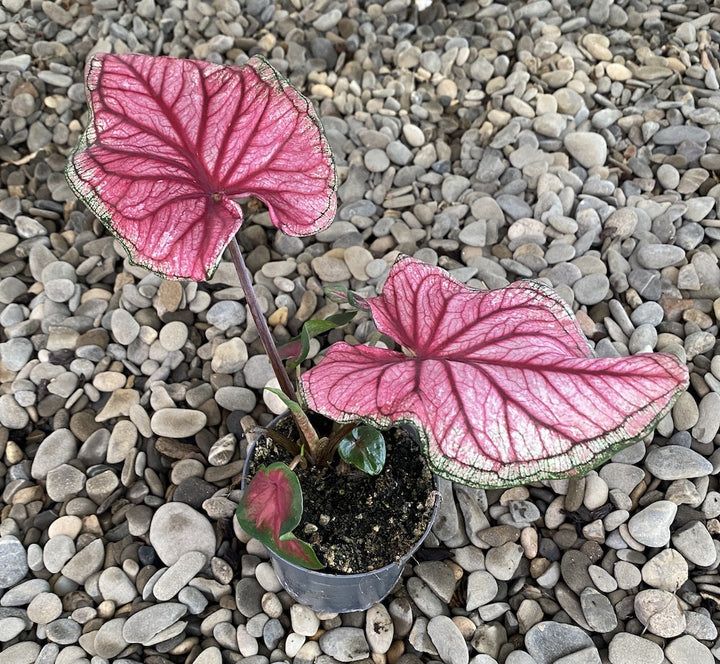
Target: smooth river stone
{"points": [[13, 561], [177, 422], [651, 526], [674, 462], [176, 529], [587, 148], [146, 624]]}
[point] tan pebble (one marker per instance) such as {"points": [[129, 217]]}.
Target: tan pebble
{"points": [[554, 515], [278, 317], [594, 531], [91, 527], [321, 91], [109, 381], [701, 319], [617, 72], [456, 569], [676, 65], [597, 46], [538, 567], [66, 525], [529, 542], [95, 294], [466, 626], [13, 453], [28, 495], [396, 651], [169, 296], [185, 646], [447, 88], [106, 609], [516, 493], [308, 304]]}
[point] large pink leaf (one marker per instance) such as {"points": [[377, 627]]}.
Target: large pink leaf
{"points": [[270, 508], [171, 144], [501, 385]]}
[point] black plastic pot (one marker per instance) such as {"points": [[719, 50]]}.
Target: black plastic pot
{"points": [[338, 593]]}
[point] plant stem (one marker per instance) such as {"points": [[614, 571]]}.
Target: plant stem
{"points": [[260, 323]]}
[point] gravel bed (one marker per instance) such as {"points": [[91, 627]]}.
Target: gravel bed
{"points": [[576, 141]]}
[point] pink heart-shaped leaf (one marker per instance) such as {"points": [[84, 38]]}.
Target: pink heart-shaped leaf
{"points": [[270, 508], [501, 385], [172, 144]]}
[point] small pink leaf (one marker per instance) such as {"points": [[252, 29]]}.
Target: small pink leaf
{"points": [[172, 144], [270, 508], [501, 385]]}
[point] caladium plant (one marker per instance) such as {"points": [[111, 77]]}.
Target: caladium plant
{"points": [[502, 385]]}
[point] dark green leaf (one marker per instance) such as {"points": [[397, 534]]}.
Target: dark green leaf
{"points": [[364, 447], [310, 330]]}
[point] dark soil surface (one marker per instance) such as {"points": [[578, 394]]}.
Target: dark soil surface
{"points": [[358, 522]]}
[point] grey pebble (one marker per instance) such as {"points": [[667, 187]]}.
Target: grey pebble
{"points": [[13, 561], [439, 577], [674, 462], [57, 552], [109, 641], [248, 597], [688, 650], [177, 528], [226, 314], [145, 625], [695, 543], [482, 588], [448, 640], [591, 289], [548, 641], [24, 592], [503, 561], [85, 562], [598, 611], [626, 648], [15, 353], [648, 313], [660, 612], [115, 585], [125, 328], [178, 575], [651, 525], [677, 134], [658, 256], [59, 447], [668, 570], [12, 414], [345, 644], [425, 599], [63, 631]]}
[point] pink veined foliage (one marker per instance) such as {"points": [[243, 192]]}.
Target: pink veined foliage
{"points": [[270, 509], [270, 502], [501, 385], [171, 145]]}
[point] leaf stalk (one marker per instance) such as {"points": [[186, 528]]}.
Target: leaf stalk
{"points": [[260, 323]]}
